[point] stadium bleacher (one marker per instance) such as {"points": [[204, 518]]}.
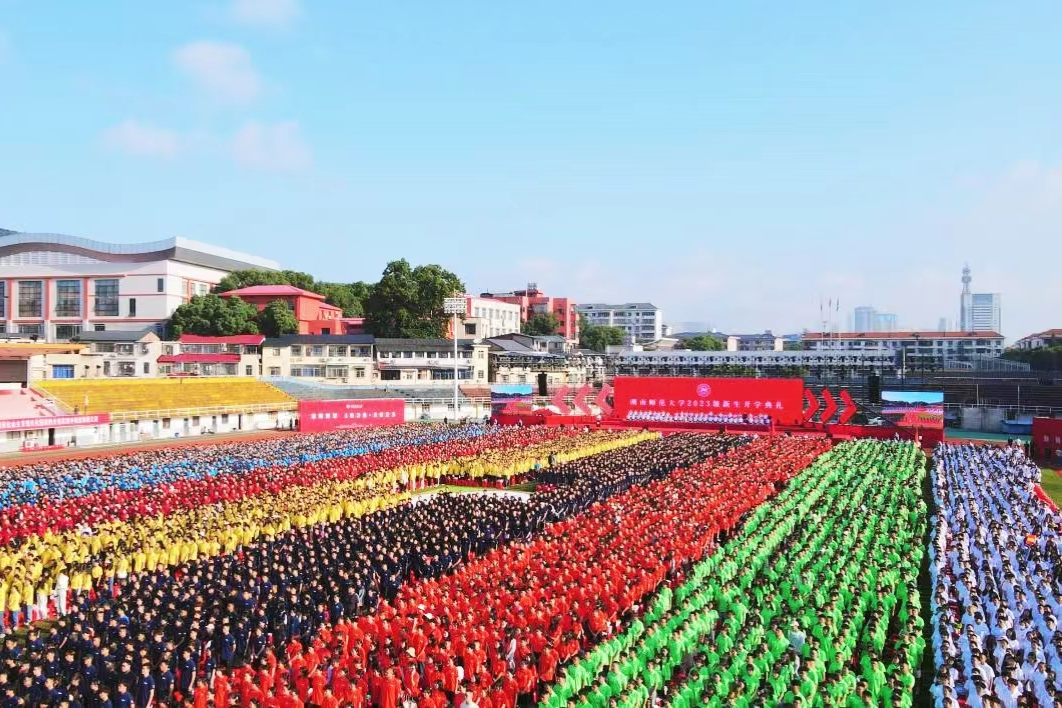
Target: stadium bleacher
{"points": [[127, 395]]}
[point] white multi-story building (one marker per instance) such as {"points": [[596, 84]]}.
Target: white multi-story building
{"points": [[55, 287], [642, 321], [938, 347], [488, 317]]}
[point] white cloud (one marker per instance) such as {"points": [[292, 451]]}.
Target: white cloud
{"points": [[279, 147], [134, 138], [277, 14], [222, 70]]}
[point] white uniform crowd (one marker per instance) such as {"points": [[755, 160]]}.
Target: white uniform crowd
{"points": [[997, 582]]}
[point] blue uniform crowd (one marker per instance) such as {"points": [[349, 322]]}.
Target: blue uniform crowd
{"points": [[996, 571], [70, 479]]}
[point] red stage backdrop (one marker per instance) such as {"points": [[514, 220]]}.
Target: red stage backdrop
{"points": [[782, 399], [321, 416], [1046, 438]]}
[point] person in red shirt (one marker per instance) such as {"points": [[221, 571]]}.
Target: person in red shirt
{"points": [[390, 691]]}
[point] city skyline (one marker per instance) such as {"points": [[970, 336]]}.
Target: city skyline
{"points": [[738, 161]]}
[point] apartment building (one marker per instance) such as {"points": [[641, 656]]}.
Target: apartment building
{"points": [[641, 321], [339, 359]]}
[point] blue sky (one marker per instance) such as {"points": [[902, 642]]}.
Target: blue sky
{"points": [[734, 163]]}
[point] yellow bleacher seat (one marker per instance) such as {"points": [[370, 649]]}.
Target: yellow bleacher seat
{"points": [[128, 395]]}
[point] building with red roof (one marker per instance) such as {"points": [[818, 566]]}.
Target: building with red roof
{"points": [[315, 316]]}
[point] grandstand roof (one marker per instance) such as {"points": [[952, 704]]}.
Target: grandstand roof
{"points": [[920, 334], [250, 339], [175, 249], [272, 291]]}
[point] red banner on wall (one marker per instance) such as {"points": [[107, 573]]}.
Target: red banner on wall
{"points": [[781, 399], [321, 416], [57, 421]]}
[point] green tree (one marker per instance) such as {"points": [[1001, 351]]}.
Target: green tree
{"points": [[599, 337], [247, 278], [408, 302], [541, 324], [343, 296], [277, 319], [213, 316], [702, 343]]}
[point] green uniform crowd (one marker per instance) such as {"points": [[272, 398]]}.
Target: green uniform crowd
{"points": [[813, 603]]}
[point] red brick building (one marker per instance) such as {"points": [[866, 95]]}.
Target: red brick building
{"points": [[315, 316]]}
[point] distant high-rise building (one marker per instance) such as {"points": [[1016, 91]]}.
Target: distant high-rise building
{"points": [[986, 312], [868, 319], [865, 318], [885, 322], [978, 312], [942, 324]]}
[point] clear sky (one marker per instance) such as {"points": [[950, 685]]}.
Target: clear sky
{"points": [[735, 163]]}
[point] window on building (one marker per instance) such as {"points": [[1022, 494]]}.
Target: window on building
{"points": [[274, 371], [276, 351], [470, 328], [66, 332], [318, 350], [127, 368], [31, 329], [336, 351], [106, 297], [195, 421], [296, 350], [224, 418], [63, 371], [160, 285], [132, 307], [479, 374], [99, 328], [68, 298], [31, 298], [3, 327], [359, 373], [248, 370], [3, 299], [336, 372], [147, 368]]}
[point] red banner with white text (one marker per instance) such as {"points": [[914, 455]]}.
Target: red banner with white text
{"points": [[57, 421], [686, 399], [322, 416]]}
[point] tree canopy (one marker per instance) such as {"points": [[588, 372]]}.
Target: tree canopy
{"points": [[541, 324], [408, 302], [702, 343], [349, 297], [277, 319], [1043, 359], [598, 337], [214, 316]]}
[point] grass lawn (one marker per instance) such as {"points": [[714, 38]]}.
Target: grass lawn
{"points": [[1052, 484]]}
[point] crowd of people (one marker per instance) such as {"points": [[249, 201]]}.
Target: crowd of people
{"points": [[182, 521], [700, 418], [54, 481], [259, 623], [996, 569]]}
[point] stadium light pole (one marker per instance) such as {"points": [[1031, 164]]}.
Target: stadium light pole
{"points": [[454, 306]]}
